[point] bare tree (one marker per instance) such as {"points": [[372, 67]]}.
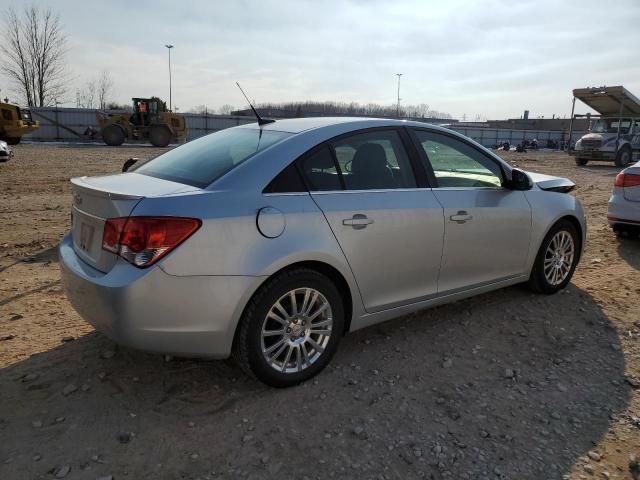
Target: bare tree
{"points": [[34, 47], [86, 97], [225, 109], [201, 109], [105, 85]]}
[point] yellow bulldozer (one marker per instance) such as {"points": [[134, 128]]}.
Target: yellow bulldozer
{"points": [[149, 122], [15, 122]]}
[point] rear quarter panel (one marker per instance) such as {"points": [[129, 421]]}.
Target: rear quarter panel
{"points": [[229, 242]]}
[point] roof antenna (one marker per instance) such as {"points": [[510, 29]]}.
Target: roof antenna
{"points": [[261, 121]]}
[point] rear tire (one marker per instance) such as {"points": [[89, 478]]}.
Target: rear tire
{"points": [[113, 135], [12, 140], [622, 230], [159, 136], [581, 162], [623, 158], [297, 345], [557, 259]]}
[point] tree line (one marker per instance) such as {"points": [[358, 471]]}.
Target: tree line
{"points": [[300, 109], [421, 110]]}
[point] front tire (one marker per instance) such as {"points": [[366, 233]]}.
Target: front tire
{"points": [[13, 140], [291, 328], [113, 135], [557, 259], [159, 136], [623, 158], [581, 162]]}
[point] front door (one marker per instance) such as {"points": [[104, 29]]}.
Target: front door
{"points": [[487, 227], [389, 230]]}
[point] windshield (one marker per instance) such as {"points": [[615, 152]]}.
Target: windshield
{"points": [[202, 161], [607, 125]]}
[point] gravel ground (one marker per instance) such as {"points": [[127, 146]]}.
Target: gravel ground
{"points": [[507, 385]]}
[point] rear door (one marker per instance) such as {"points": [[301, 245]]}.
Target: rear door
{"points": [[389, 228], [487, 227]]}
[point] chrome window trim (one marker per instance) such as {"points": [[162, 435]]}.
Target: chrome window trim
{"points": [[377, 190], [498, 189], [287, 194]]}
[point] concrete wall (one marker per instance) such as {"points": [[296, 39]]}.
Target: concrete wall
{"points": [[492, 136], [560, 124]]}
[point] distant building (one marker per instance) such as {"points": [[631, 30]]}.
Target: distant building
{"points": [[554, 124]]}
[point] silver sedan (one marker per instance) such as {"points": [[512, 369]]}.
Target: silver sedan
{"points": [[624, 205], [270, 242]]}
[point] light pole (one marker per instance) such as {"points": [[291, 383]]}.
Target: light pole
{"points": [[169, 47], [398, 106]]}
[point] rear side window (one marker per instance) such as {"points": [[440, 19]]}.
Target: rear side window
{"points": [[287, 181], [320, 172], [374, 160], [202, 161]]}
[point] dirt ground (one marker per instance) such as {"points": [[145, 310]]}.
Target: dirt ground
{"points": [[506, 385]]}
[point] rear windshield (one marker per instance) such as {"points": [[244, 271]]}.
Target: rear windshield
{"points": [[202, 161]]}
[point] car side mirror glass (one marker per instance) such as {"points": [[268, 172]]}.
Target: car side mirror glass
{"points": [[519, 180]]}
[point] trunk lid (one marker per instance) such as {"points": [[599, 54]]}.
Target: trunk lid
{"points": [[96, 199], [632, 193]]}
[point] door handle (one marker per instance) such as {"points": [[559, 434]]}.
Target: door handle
{"points": [[358, 221], [461, 217]]}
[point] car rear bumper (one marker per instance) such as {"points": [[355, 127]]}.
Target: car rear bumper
{"points": [[148, 309], [623, 211]]}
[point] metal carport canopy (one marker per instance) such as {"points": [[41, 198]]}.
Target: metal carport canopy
{"points": [[606, 100]]}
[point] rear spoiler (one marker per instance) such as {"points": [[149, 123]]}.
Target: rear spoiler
{"points": [[79, 183]]}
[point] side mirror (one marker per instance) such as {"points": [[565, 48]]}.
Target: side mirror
{"points": [[128, 164], [519, 181]]}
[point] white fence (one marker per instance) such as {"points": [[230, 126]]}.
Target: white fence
{"points": [[69, 125]]}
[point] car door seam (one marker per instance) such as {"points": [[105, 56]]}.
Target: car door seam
{"points": [[355, 279], [444, 234]]}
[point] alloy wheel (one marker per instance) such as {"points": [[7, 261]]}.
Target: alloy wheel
{"points": [[296, 330], [558, 258]]}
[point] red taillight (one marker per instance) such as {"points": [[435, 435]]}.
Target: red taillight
{"points": [[143, 241], [111, 234], [627, 180]]}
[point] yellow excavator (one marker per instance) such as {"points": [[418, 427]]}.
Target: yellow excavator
{"points": [[15, 122], [149, 122]]}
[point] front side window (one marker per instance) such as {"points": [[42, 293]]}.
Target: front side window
{"points": [[204, 160], [458, 165], [374, 160]]}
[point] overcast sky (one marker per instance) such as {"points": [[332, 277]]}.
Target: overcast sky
{"points": [[494, 58]]}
